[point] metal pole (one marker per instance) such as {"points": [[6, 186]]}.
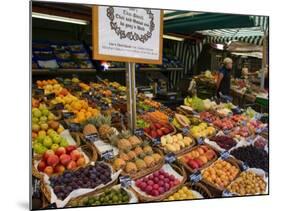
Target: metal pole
{"points": [[264, 60], [131, 95]]}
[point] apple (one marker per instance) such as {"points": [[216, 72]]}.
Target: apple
{"points": [[59, 169], [60, 151], [65, 159], [75, 155], [204, 159], [81, 161], [41, 166], [43, 119], [199, 162], [50, 131], [54, 147], [210, 154], [71, 165], [41, 133], [53, 160], [47, 142], [44, 126], [47, 154], [193, 164], [35, 127], [49, 170], [56, 138], [36, 112], [70, 148]]}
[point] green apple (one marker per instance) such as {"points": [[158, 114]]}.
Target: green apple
{"points": [[43, 119], [42, 150], [51, 116], [44, 126], [35, 120], [36, 112], [45, 112], [56, 138], [50, 131], [40, 139], [41, 133], [63, 143], [54, 147], [35, 127], [47, 142], [42, 107]]}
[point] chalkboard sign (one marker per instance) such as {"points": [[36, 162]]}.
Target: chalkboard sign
{"points": [[74, 127], [170, 157], [91, 137], [224, 155], [68, 115], [185, 131], [107, 155], [195, 177], [200, 140], [156, 141], [125, 181], [139, 132]]}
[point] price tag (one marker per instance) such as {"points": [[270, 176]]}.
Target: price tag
{"points": [[50, 96], [68, 115], [58, 106], [226, 132], [139, 132], [74, 127], [170, 157], [224, 155], [91, 137], [200, 140], [226, 193], [125, 181], [195, 177], [107, 155], [244, 166], [170, 119], [39, 91], [156, 141], [185, 131]]}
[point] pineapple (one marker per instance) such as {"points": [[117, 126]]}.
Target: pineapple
{"points": [[147, 150], [140, 164], [125, 134], [124, 144], [118, 163], [135, 141], [157, 157], [103, 123], [132, 155], [89, 129], [131, 167], [124, 156], [138, 150], [149, 160]]}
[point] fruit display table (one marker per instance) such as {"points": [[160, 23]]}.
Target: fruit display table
{"points": [[84, 155]]}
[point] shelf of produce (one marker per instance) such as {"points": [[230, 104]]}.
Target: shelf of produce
{"points": [[61, 71]]}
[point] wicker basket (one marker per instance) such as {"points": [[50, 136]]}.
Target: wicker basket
{"points": [[200, 188], [146, 198], [90, 151], [233, 162], [47, 193], [183, 150], [147, 171], [190, 170]]}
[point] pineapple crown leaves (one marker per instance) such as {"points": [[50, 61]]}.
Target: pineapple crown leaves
{"points": [[125, 134]]}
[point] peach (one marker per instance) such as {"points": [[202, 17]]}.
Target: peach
{"points": [[70, 148], [71, 165], [81, 161], [53, 160], [65, 159], [60, 151], [49, 170], [203, 158], [75, 155], [59, 169], [41, 166], [47, 154]]}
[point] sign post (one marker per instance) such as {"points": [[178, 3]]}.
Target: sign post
{"points": [[131, 35]]}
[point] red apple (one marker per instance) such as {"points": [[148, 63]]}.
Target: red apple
{"points": [[75, 155], [71, 165], [60, 151], [193, 164], [199, 162], [59, 169], [53, 160], [41, 165], [49, 170], [70, 148], [47, 154], [65, 159], [81, 161]]}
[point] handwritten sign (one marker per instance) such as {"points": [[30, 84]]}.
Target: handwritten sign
{"points": [[170, 157], [91, 137], [127, 34], [200, 140], [156, 141], [224, 155], [139, 132], [195, 177], [125, 181], [107, 155], [185, 131]]}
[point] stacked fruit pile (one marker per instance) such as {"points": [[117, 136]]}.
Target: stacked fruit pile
{"points": [[157, 183], [223, 141], [176, 142], [202, 130], [182, 194], [158, 129], [198, 157], [61, 159]]}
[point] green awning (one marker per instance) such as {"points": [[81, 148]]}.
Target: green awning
{"points": [[190, 22]]}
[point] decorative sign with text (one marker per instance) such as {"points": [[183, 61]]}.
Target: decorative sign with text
{"points": [[127, 34]]}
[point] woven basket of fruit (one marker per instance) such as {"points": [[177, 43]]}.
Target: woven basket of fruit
{"points": [[147, 165], [160, 184], [200, 188], [250, 182], [90, 151], [114, 195], [60, 189], [221, 173], [157, 130], [198, 158], [177, 144]]}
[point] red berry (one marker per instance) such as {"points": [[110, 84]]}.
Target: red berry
{"points": [[161, 190], [167, 186], [143, 186], [150, 182], [150, 177], [154, 193], [161, 171], [161, 177], [172, 183], [156, 186], [156, 174], [145, 179], [148, 189], [156, 179], [166, 180], [161, 183], [172, 177]]}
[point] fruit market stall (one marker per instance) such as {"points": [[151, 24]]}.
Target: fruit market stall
{"points": [[200, 150]]}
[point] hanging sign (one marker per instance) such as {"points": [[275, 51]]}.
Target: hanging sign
{"points": [[127, 34]]}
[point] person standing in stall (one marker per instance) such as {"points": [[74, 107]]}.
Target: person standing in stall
{"points": [[224, 78]]}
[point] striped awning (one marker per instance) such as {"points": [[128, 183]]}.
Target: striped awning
{"points": [[256, 40]]}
